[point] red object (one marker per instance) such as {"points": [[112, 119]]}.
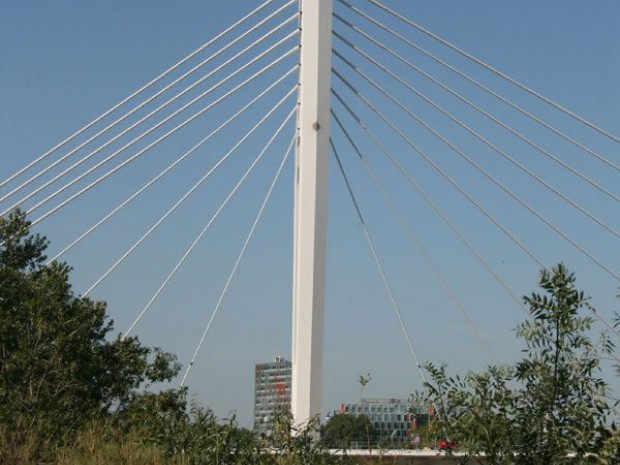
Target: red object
{"points": [[446, 445], [279, 386], [281, 389]]}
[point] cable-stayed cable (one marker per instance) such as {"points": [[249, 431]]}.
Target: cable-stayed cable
{"points": [[477, 135], [468, 102], [208, 226], [388, 287], [155, 127], [439, 170], [156, 110], [411, 180], [416, 186], [481, 86], [188, 193], [508, 191], [495, 71], [421, 248], [233, 272], [138, 92], [170, 167], [157, 141]]}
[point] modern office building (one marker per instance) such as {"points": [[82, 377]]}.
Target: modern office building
{"points": [[394, 421], [272, 391]]}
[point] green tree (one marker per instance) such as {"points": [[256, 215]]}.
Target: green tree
{"points": [[547, 407], [342, 430], [59, 367], [72, 393]]}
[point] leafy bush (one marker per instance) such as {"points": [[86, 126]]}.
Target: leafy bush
{"points": [[547, 409]]}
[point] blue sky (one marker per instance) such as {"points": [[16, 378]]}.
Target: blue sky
{"points": [[65, 62]]}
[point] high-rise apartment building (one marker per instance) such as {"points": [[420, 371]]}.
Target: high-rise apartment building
{"points": [[272, 391]]}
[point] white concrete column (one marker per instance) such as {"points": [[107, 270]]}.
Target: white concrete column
{"points": [[311, 209]]}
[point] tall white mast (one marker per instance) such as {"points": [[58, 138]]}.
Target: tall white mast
{"points": [[311, 209]]}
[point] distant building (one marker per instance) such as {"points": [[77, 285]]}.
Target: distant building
{"points": [[394, 421], [272, 391]]}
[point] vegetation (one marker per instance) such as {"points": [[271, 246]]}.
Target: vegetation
{"points": [[370, 436], [71, 392], [547, 409], [58, 369], [342, 431]]}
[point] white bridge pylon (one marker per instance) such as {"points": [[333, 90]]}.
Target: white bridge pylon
{"points": [[310, 229]]}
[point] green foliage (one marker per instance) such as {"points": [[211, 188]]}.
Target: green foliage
{"points": [[609, 446], [342, 430], [370, 437], [58, 367], [550, 405], [363, 381], [562, 391], [475, 410], [168, 424], [71, 394], [290, 445]]}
